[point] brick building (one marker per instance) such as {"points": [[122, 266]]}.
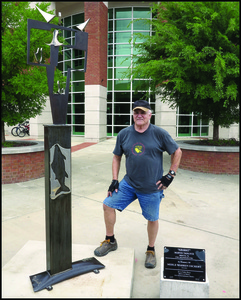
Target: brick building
{"points": [[100, 103]]}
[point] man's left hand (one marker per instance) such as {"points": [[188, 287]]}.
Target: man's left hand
{"points": [[164, 182]]}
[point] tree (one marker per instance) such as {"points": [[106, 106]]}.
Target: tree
{"points": [[24, 87], [192, 60]]}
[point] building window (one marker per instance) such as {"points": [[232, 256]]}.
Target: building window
{"points": [[190, 124], [72, 58], [121, 92]]}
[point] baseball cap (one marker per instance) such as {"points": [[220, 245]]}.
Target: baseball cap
{"points": [[141, 104]]}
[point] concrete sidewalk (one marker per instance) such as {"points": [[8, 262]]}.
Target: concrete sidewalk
{"points": [[199, 211]]}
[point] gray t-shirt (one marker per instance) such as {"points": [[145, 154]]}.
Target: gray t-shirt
{"points": [[143, 151]]}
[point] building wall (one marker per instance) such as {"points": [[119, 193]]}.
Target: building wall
{"points": [[226, 133], [96, 76], [69, 8], [96, 72], [113, 4]]}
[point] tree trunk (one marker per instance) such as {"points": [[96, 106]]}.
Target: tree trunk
{"points": [[3, 133], [215, 131]]}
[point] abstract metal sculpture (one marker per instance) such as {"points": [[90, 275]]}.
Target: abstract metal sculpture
{"points": [[58, 102], [57, 145]]}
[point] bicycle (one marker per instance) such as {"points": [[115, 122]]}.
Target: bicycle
{"points": [[21, 130]]}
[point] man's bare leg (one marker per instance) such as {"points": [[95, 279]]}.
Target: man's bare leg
{"points": [[109, 244], [110, 219], [152, 230]]}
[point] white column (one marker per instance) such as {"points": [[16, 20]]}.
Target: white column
{"points": [[95, 113], [165, 117], [36, 124]]}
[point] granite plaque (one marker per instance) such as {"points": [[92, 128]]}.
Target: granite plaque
{"points": [[184, 264]]}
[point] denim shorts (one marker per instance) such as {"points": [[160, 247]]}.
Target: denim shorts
{"points": [[126, 194]]}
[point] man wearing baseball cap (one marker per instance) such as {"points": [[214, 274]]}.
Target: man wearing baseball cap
{"points": [[143, 145]]}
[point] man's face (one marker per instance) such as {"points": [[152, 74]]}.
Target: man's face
{"points": [[141, 117]]}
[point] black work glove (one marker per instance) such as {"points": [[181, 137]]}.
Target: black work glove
{"points": [[166, 180], [114, 186]]}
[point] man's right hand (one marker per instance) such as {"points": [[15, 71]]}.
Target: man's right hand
{"points": [[113, 187]]}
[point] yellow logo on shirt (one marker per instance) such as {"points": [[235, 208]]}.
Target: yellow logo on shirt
{"points": [[138, 149]]}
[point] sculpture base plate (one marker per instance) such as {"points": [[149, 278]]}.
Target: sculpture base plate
{"points": [[31, 259], [45, 280]]}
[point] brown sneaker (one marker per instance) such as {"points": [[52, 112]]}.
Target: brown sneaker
{"points": [[150, 259], [105, 247]]}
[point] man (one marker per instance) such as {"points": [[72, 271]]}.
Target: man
{"points": [[143, 145]]}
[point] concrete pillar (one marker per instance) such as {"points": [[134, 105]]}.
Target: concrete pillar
{"points": [[95, 113], [96, 74], [36, 124], [165, 117]]}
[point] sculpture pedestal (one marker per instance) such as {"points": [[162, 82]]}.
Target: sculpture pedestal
{"points": [[57, 147]]}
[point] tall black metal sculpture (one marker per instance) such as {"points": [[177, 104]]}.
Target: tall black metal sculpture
{"points": [[57, 146]]}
